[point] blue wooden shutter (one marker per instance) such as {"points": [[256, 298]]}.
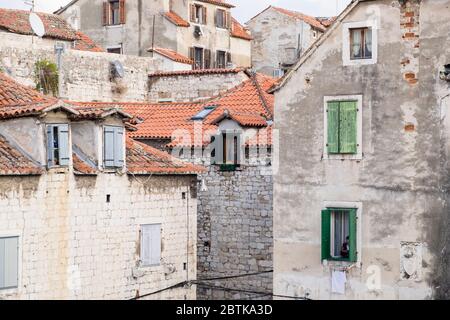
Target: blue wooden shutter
{"points": [[9, 262], [50, 153], [64, 148], [353, 254], [155, 258], [347, 127], [333, 127], [108, 147], [326, 234], [118, 147]]}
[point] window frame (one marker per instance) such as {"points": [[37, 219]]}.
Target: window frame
{"points": [[18, 235], [345, 205], [363, 33], [202, 66], [224, 59], [359, 153], [69, 146], [224, 19], [141, 242], [111, 12], [346, 43]]}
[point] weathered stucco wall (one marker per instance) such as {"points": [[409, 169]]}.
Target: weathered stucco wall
{"points": [[75, 245], [401, 182], [192, 87], [275, 37]]}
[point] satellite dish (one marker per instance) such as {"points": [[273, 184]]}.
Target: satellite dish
{"points": [[118, 68], [37, 25]]}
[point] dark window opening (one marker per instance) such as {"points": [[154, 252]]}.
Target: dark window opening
{"points": [[198, 58], [221, 60]]}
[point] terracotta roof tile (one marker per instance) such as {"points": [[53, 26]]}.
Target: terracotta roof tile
{"points": [[172, 55], [312, 21], [238, 31], [84, 43], [245, 119], [13, 162], [143, 159], [195, 72], [176, 19], [17, 21], [218, 3], [81, 167]]}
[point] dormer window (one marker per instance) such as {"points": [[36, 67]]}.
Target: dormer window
{"points": [[58, 151], [113, 147]]}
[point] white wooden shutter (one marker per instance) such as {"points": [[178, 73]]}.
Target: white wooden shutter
{"points": [[118, 147], [108, 147], [64, 149], [50, 153], [9, 261], [151, 244], [218, 148]]}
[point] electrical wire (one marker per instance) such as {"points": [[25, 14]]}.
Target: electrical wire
{"points": [[181, 284], [236, 276]]}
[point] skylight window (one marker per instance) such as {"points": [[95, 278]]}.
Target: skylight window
{"points": [[204, 113]]}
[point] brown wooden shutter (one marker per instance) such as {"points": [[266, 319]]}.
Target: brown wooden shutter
{"points": [[105, 13], [192, 56], [192, 13], [228, 20], [204, 15], [228, 58], [122, 11], [207, 59]]}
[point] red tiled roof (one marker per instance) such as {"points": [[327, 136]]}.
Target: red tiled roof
{"points": [[176, 19], [246, 119], [143, 159], [172, 55], [264, 137], [249, 104], [238, 31], [218, 3], [17, 21], [195, 72], [312, 21], [326, 21], [13, 162], [84, 43], [80, 167], [14, 94]]}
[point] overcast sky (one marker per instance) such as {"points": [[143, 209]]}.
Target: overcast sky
{"points": [[245, 9]]}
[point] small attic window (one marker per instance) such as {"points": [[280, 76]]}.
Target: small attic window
{"points": [[204, 113]]}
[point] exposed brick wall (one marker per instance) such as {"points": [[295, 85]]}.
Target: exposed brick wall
{"points": [[410, 28], [75, 245]]}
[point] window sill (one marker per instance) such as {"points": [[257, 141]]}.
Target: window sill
{"points": [[9, 291], [359, 62], [58, 169], [228, 167], [356, 157], [114, 26]]}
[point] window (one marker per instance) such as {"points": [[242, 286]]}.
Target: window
{"points": [[361, 43], [113, 147], [343, 127], [227, 150], [58, 151], [198, 58], [221, 59], [198, 14], [204, 113], [116, 50], [9, 262], [221, 19], [150, 245], [339, 237], [114, 12]]}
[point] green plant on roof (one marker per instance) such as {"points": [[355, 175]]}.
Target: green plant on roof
{"points": [[46, 77]]}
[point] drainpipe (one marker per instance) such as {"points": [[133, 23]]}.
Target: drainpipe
{"points": [[59, 50]]}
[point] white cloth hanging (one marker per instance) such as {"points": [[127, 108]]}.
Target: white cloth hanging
{"points": [[338, 280]]}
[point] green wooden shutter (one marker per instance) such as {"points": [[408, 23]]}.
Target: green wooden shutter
{"points": [[333, 127], [326, 234], [353, 255], [347, 127]]}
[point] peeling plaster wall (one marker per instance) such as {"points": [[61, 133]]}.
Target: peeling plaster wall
{"points": [[274, 32], [402, 180], [75, 245]]}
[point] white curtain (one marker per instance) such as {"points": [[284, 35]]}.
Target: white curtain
{"points": [[369, 43], [356, 50]]}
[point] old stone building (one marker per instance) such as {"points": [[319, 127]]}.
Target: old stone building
{"points": [[86, 212], [361, 196], [201, 31], [230, 135], [280, 37]]}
